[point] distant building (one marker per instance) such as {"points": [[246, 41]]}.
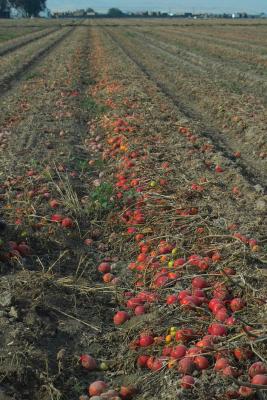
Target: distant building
{"points": [[78, 14], [240, 15]]}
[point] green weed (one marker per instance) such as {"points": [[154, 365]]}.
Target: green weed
{"points": [[31, 75], [85, 80], [90, 105], [7, 36], [80, 164], [232, 86], [101, 197], [130, 34]]}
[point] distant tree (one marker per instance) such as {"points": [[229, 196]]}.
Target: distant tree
{"points": [[4, 9], [115, 13], [3, 5], [30, 7]]}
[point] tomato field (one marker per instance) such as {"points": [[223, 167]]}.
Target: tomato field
{"points": [[133, 209]]}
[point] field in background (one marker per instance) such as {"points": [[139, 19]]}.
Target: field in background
{"points": [[14, 28], [133, 179], [11, 33]]}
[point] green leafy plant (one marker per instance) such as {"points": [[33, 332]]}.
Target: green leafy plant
{"points": [[90, 105], [101, 197], [130, 34], [7, 36], [80, 164], [31, 75]]}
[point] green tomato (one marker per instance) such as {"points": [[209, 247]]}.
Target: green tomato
{"points": [[103, 366]]}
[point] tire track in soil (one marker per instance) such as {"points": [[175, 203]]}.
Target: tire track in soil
{"points": [[30, 40], [212, 134], [13, 79], [27, 140]]}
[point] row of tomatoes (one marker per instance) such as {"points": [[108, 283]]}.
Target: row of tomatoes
{"points": [[151, 275]]}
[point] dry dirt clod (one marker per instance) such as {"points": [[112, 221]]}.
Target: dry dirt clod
{"points": [[4, 396], [261, 205], [259, 189], [61, 354], [5, 293], [13, 313]]}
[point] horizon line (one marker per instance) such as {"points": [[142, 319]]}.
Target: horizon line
{"points": [[170, 10]]}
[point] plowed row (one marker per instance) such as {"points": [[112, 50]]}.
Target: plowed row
{"points": [[11, 45], [15, 63], [207, 88]]}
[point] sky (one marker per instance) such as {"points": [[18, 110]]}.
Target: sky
{"points": [[214, 6]]}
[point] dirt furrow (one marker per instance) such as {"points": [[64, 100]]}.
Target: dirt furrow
{"points": [[204, 128], [10, 76], [13, 45], [246, 60], [221, 73], [242, 45], [252, 35]]}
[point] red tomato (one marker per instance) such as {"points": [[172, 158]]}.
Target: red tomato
{"points": [[96, 388], [217, 329], [184, 335], [178, 351], [179, 262], [67, 223], [121, 317], [221, 364], [242, 353], [186, 365], [88, 362], [230, 371], [215, 305], [171, 299], [259, 379], [157, 364], [104, 267], [237, 304], [56, 218], [142, 361], [201, 362], [257, 368], [245, 391], [126, 392], [187, 382], [139, 310], [146, 340], [199, 283], [183, 294], [221, 315]]}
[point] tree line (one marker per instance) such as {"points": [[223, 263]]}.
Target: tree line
{"points": [[27, 7]]}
